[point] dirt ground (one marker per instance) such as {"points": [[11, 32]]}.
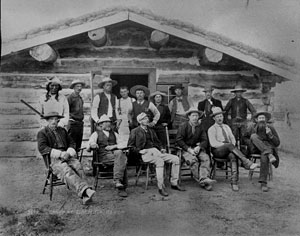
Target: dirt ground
{"points": [[25, 211]]}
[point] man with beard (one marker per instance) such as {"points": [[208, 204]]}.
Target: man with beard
{"points": [[222, 142], [265, 140], [75, 127], [53, 101]]}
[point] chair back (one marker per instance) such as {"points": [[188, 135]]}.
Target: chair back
{"points": [[171, 139], [47, 160]]}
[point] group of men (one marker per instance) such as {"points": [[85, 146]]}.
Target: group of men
{"points": [[140, 124]]}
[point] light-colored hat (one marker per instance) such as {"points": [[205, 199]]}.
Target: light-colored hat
{"points": [[216, 111], [141, 116], [52, 114], [76, 81], [105, 80], [139, 87], [265, 113], [53, 80], [163, 95], [192, 110], [103, 118], [238, 88], [208, 88]]}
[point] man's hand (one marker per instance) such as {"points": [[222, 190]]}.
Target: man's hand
{"points": [[191, 151], [110, 147], [143, 152], [119, 121], [163, 150], [65, 156], [151, 124], [94, 146], [268, 131], [197, 150]]}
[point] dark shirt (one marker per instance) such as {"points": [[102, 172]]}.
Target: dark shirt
{"points": [[76, 107], [239, 108], [165, 115], [205, 107], [185, 138]]}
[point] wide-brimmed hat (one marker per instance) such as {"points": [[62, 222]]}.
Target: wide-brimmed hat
{"points": [[52, 114], [76, 81], [238, 88], [106, 79], [53, 80], [208, 88], [192, 110], [265, 113], [216, 111], [177, 86], [139, 87], [163, 95], [141, 116], [104, 118]]}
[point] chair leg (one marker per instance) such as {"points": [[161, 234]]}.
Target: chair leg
{"points": [[147, 175], [51, 186], [46, 182], [270, 172], [96, 177], [226, 166], [138, 174]]}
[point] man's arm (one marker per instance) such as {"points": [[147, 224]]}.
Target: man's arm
{"points": [[180, 137], [155, 112], [94, 110], [212, 136], [132, 141], [66, 112], [203, 140], [250, 107], [273, 136], [92, 143], [171, 105]]}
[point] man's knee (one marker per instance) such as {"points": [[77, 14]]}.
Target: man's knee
{"points": [[175, 160], [254, 137], [159, 162]]}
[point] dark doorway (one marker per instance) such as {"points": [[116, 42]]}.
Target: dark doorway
{"points": [[129, 81]]}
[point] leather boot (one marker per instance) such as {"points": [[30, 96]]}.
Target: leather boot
{"points": [[246, 163], [234, 176]]}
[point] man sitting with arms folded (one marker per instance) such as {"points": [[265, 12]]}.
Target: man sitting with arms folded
{"points": [[145, 142], [222, 142], [54, 140]]}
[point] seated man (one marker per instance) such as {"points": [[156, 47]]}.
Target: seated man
{"points": [[145, 142], [263, 139], [108, 146], [222, 142], [54, 140], [191, 137]]}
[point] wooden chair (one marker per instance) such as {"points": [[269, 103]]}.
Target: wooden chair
{"points": [[148, 169], [227, 167], [254, 158], [51, 179]]}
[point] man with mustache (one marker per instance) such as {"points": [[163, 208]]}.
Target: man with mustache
{"points": [[265, 140]]}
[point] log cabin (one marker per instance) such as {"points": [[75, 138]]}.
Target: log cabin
{"points": [[133, 47]]}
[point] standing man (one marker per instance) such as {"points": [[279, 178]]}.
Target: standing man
{"points": [[145, 142], [206, 105], [125, 113], [106, 102], [265, 140], [108, 146], [238, 107], [142, 105], [192, 138], [165, 116], [53, 101], [56, 142], [222, 142], [76, 113], [179, 106]]}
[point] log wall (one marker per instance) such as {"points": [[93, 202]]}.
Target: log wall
{"points": [[178, 61]]}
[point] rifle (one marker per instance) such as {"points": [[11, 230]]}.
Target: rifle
{"points": [[36, 111]]}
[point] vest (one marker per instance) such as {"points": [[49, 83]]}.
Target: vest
{"points": [[138, 109], [104, 141], [185, 105], [103, 105]]}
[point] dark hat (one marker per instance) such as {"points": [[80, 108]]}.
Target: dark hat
{"points": [[139, 87], [238, 88], [52, 114], [265, 113], [192, 110], [216, 111], [177, 86], [76, 81]]}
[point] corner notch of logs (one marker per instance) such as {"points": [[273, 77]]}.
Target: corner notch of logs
{"points": [[158, 39], [98, 37], [43, 53]]}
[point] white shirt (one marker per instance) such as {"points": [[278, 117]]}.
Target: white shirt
{"points": [[216, 137]]}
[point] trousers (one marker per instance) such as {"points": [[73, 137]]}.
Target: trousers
{"points": [[200, 164], [75, 130], [265, 148], [72, 174], [158, 158]]}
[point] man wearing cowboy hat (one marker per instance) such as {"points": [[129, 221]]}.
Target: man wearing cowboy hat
{"points": [[142, 105], [54, 140], [75, 127], [238, 107], [179, 106], [54, 101], [109, 151], [165, 116], [222, 142], [192, 138], [206, 105], [105, 102], [145, 142], [264, 140]]}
